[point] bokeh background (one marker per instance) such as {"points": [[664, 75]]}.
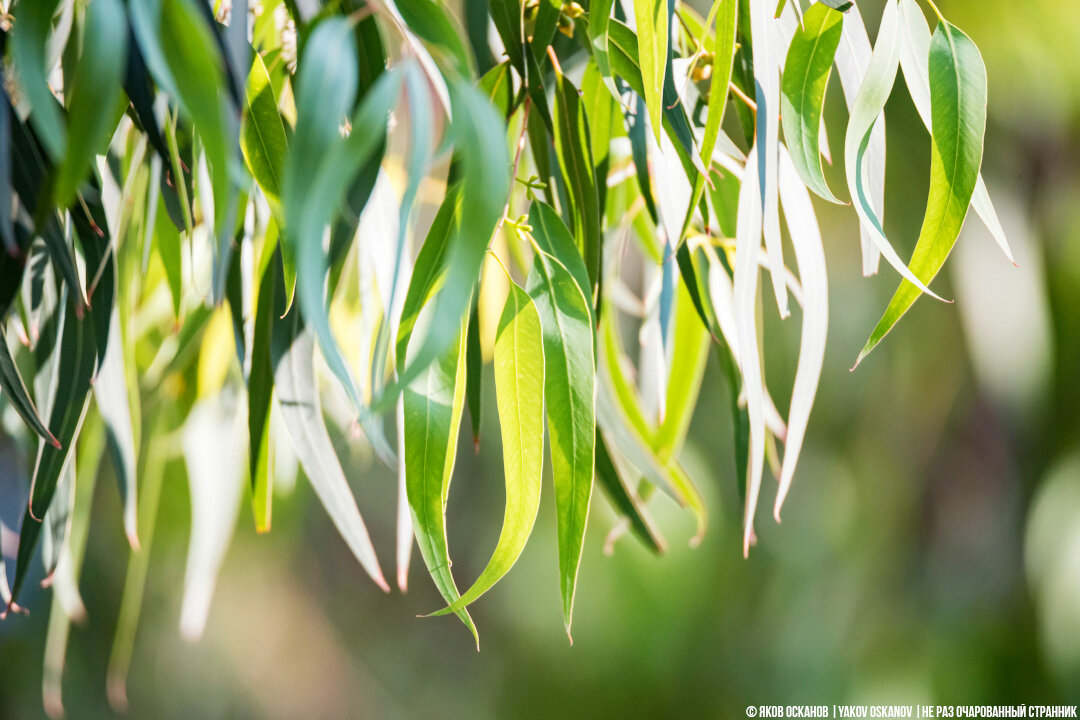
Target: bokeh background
{"points": [[930, 549]]}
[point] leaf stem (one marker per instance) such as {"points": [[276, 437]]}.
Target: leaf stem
{"points": [[935, 9]]}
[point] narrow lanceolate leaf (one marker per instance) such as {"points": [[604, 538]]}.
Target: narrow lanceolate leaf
{"points": [[868, 106], [806, 76], [92, 102], [747, 248], [914, 60], [573, 146], [767, 142], [958, 114], [78, 353], [599, 19], [293, 353], [28, 53], [196, 63], [260, 392], [14, 391], [262, 135], [810, 255], [852, 61], [653, 34], [519, 394], [433, 403], [214, 457], [57, 523], [723, 56], [114, 404], [568, 388]]}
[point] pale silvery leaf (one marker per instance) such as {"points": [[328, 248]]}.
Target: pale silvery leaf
{"points": [[767, 96], [404, 514], [810, 255], [111, 395], [747, 247], [914, 61], [852, 59], [213, 444], [866, 111]]}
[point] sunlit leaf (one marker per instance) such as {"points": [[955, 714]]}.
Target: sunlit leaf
{"points": [[868, 106], [914, 61], [568, 386], [806, 76], [433, 403], [519, 392], [958, 115], [652, 52], [262, 134]]}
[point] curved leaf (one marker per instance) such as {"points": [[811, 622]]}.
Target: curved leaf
{"points": [[14, 390], [914, 60], [806, 76], [652, 53], [958, 114], [519, 393], [94, 93], [293, 353], [262, 134], [569, 388], [433, 403], [868, 106]]}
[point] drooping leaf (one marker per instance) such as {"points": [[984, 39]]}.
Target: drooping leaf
{"points": [[14, 391], [958, 115], [293, 352], [766, 143], [114, 405], [852, 61], [519, 393], [28, 53], [723, 57], [262, 134], [573, 147], [914, 60], [432, 407], [260, 391], [77, 358], [868, 106], [195, 60], [810, 255], [569, 389], [806, 76], [652, 52], [94, 93], [212, 446]]}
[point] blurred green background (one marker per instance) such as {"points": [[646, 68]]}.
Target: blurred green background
{"points": [[930, 549]]}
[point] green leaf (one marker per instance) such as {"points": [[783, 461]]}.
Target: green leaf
{"points": [[293, 354], [519, 393], [573, 147], [569, 388], [806, 76], [465, 222], [958, 114], [14, 390], [262, 134], [599, 19], [28, 53], [433, 403], [196, 64], [841, 5], [914, 58], [727, 12], [260, 387], [94, 93], [652, 52], [321, 167], [78, 356], [866, 110]]}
